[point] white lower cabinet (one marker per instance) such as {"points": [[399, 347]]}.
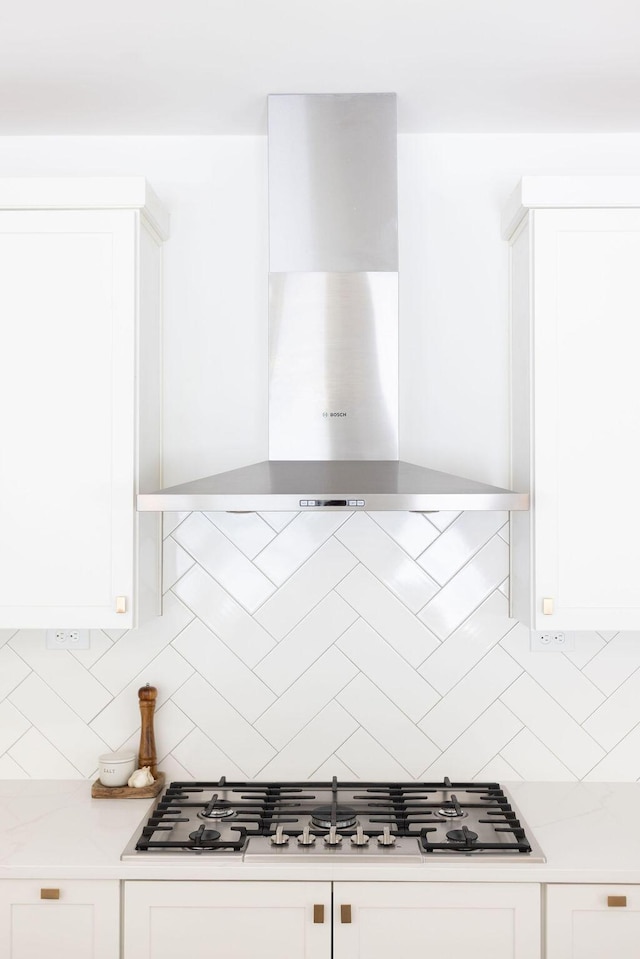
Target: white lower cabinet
{"points": [[229, 920], [405, 920], [293, 920], [69, 919], [593, 922]]}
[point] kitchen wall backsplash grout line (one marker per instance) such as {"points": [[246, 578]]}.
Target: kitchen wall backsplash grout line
{"points": [[484, 629]]}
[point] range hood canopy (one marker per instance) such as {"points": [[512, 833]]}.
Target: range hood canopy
{"points": [[333, 328]]}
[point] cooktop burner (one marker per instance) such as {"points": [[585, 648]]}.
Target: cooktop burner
{"points": [[372, 821]]}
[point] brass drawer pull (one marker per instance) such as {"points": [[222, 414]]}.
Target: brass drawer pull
{"points": [[121, 604], [49, 893], [345, 914], [616, 900], [318, 912]]}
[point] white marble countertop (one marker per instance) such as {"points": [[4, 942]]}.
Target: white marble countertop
{"points": [[53, 829]]}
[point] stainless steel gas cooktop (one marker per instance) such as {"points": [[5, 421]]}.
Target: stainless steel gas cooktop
{"points": [[335, 821]]}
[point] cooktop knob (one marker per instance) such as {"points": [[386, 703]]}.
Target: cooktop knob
{"points": [[280, 839], [359, 839], [306, 839], [386, 839], [334, 838]]}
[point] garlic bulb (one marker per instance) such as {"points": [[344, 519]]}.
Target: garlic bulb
{"points": [[141, 777]]}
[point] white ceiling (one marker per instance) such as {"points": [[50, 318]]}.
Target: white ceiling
{"points": [[205, 66]]}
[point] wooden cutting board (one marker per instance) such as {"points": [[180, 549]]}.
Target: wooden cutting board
{"points": [[98, 791]]}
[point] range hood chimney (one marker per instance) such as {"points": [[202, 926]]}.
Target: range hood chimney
{"points": [[333, 327]]}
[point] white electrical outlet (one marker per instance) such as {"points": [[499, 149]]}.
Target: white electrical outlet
{"points": [[552, 641], [68, 639]]}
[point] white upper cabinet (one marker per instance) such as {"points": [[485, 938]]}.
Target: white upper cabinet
{"points": [[80, 274], [575, 289]]}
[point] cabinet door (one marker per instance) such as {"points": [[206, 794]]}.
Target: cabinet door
{"points": [[83, 922], [376, 920], [593, 922], [67, 394], [234, 920], [577, 270]]}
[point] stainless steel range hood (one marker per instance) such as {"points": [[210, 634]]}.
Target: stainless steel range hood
{"points": [[333, 328]]}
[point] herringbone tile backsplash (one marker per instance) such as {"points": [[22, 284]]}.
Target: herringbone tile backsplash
{"points": [[304, 645]]}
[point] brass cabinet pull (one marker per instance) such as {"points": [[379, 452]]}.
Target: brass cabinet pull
{"points": [[547, 606], [121, 604], [318, 912], [616, 900], [49, 893], [345, 914]]}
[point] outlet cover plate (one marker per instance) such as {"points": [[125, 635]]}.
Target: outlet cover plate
{"points": [[68, 639], [551, 641]]}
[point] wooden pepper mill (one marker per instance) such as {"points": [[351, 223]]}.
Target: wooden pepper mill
{"points": [[147, 753]]}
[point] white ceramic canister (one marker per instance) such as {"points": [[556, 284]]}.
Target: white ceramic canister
{"points": [[115, 768]]}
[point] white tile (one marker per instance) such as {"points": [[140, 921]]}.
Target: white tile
{"points": [[225, 562], [622, 763], [480, 743], [616, 661], [498, 770], [41, 760], [213, 660], [278, 520], [443, 518], [171, 727], [5, 635], [387, 615], [533, 761], [462, 594], [552, 725], [555, 673], [171, 521], [204, 760], [332, 767], [63, 673], [306, 698], [368, 760], [470, 698], [64, 729], [386, 560], [302, 591], [247, 531], [121, 717], [99, 644], [226, 618], [389, 671], [388, 725], [306, 643], [587, 645], [504, 588], [9, 769], [459, 542], [465, 647], [139, 646], [411, 531], [316, 742], [175, 771], [175, 563], [607, 636], [296, 543], [617, 715], [223, 725], [504, 533], [13, 725], [13, 669]]}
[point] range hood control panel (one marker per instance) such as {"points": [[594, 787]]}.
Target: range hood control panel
{"points": [[332, 502]]}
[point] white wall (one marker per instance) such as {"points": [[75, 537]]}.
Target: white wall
{"points": [[453, 323], [486, 704]]}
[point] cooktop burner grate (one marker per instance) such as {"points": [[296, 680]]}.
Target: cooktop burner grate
{"points": [[384, 820]]}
